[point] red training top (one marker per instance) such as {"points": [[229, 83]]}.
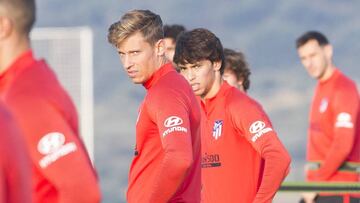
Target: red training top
{"points": [[48, 120], [334, 133], [166, 166], [243, 160]]}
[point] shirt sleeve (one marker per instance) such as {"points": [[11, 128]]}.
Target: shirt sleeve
{"points": [[171, 113], [345, 107], [56, 151], [255, 126]]}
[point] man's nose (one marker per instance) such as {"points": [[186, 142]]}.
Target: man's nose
{"points": [[190, 74], [127, 62]]}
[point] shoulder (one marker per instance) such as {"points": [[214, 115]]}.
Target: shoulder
{"points": [[174, 80], [343, 84], [344, 80], [37, 84], [37, 79], [27, 105], [171, 86], [240, 102]]}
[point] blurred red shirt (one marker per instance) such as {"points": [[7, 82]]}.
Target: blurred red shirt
{"points": [[334, 131], [62, 171]]}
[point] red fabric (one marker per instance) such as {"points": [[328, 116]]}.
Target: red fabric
{"points": [[166, 167], [244, 161], [334, 133], [15, 167], [61, 167]]}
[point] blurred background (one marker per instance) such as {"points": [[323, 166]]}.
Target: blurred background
{"points": [[264, 30]]}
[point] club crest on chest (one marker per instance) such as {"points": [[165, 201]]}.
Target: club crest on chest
{"points": [[217, 129]]}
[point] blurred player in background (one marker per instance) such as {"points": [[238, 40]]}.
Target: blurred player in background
{"points": [[333, 152], [171, 32], [236, 71], [62, 171], [242, 158], [15, 167], [166, 165]]}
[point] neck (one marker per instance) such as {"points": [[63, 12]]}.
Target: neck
{"points": [[215, 87], [328, 73], [160, 62], [11, 49]]}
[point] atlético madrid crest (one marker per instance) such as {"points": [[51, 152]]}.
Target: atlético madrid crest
{"points": [[217, 129]]}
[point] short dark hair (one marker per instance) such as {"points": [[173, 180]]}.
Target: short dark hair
{"points": [[199, 44], [173, 31], [146, 22], [312, 35], [23, 13], [235, 61]]}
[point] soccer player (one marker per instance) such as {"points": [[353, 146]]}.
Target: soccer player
{"points": [[15, 168], [171, 32], [333, 152], [62, 171], [242, 158], [166, 165], [236, 71]]}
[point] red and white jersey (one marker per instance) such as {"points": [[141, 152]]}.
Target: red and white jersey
{"points": [[166, 166], [334, 131], [62, 171], [243, 160], [15, 167]]}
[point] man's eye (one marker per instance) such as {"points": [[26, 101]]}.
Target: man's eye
{"points": [[197, 67], [181, 69]]}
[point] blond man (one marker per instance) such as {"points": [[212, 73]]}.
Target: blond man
{"points": [[166, 164]]}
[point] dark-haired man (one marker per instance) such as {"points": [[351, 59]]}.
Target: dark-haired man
{"points": [[242, 158], [171, 32], [333, 152], [236, 71]]}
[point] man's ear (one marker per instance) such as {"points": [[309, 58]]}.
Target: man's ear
{"points": [[160, 47], [6, 27], [217, 65], [240, 81], [328, 51]]}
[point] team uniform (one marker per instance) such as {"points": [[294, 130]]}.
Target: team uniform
{"points": [[15, 168], [243, 160], [62, 171], [333, 149], [167, 142]]}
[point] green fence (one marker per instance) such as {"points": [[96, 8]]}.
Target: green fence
{"points": [[320, 187]]}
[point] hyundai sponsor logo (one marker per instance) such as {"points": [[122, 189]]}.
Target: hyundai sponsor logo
{"points": [[343, 120], [172, 123], [258, 128], [51, 142], [53, 146], [177, 128]]}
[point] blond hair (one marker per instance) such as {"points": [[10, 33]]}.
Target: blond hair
{"points": [[146, 22]]}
